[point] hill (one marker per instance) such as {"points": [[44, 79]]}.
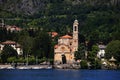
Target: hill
{"points": [[99, 19]]}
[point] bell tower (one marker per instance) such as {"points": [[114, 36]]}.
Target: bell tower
{"points": [[75, 35]]}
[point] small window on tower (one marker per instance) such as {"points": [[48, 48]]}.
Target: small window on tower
{"points": [[75, 28]]}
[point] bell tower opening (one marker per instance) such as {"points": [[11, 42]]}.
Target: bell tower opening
{"points": [[75, 28]]}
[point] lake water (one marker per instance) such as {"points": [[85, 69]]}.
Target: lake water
{"points": [[54, 74]]}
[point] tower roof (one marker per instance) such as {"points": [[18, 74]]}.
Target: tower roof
{"points": [[76, 22], [66, 37]]}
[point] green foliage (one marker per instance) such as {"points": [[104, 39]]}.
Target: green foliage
{"points": [[95, 64], [31, 60], [113, 49], [84, 64], [21, 60], [42, 60], [43, 45], [3, 34], [99, 22], [80, 54], [12, 59], [7, 52], [27, 42], [95, 49], [92, 54]]}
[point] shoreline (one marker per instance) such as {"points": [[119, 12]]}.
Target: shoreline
{"points": [[27, 67], [63, 67]]}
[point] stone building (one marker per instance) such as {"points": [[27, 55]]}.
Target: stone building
{"points": [[66, 47], [101, 52]]}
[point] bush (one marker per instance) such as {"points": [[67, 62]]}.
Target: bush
{"points": [[31, 60], [42, 60], [84, 64], [96, 64], [21, 60], [11, 59]]}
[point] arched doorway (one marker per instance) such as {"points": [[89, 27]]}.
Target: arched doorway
{"points": [[63, 59]]}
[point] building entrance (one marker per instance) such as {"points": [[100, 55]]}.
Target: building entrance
{"points": [[63, 59]]}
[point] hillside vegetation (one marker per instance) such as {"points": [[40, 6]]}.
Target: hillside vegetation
{"points": [[98, 19]]}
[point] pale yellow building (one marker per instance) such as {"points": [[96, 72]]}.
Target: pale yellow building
{"points": [[66, 47]]}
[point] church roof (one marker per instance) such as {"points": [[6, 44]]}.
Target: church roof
{"points": [[66, 37]]}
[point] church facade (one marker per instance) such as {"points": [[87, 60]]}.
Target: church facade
{"points": [[66, 47]]}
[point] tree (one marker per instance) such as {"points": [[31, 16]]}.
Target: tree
{"points": [[43, 46], [113, 49], [3, 34], [80, 54], [94, 62], [7, 52], [92, 54], [27, 43], [84, 64]]}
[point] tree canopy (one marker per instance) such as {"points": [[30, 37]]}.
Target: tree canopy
{"points": [[113, 49], [7, 52]]}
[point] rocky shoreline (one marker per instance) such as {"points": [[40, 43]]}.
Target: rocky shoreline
{"points": [[66, 66]]}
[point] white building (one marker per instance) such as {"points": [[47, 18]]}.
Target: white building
{"points": [[13, 28], [101, 52], [13, 44]]}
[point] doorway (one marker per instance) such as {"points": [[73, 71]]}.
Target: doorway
{"points": [[63, 59]]}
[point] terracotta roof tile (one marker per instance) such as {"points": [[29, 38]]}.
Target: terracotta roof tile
{"points": [[66, 37], [53, 34], [9, 42]]}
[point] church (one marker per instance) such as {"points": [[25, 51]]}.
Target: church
{"points": [[66, 47]]}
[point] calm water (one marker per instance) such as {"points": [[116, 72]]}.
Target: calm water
{"points": [[59, 74]]}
